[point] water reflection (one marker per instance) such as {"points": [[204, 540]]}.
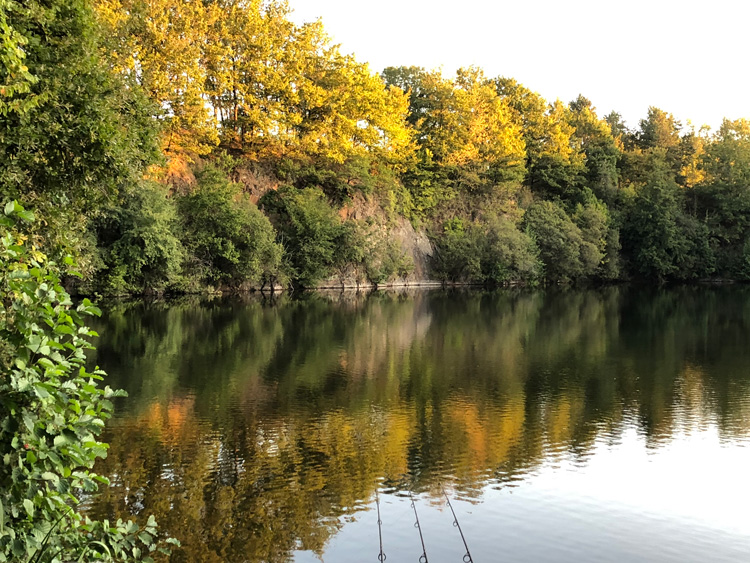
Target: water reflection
{"points": [[259, 431]]}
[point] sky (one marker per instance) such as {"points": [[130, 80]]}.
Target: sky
{"points": [[687, 57]]}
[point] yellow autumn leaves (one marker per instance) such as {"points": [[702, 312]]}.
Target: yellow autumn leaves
{"points": [[242, 73]]}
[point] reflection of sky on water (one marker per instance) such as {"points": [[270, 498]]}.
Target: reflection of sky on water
{"points": [[627, 502]]}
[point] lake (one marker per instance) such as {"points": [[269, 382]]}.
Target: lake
{"points": [[588, 425]]}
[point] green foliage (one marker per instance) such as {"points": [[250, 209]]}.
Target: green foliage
{"points": [[601, 154], [467, 137], [602, 237], [611, 266], [340, 181], [229, 242], [722, 200], [159, 45], [727, 158], [554, 177], [735, 262], [15, 78], [310, 231], [566, 253], [660, 240], [87, 86], [459, 253], [90, 130], [83, 132], [139, 242], [429, 185], [659, 130], [725, 209], [243, 73], [51, 413], [392, 262], [494, 252], [510, 254], [367, 246]]}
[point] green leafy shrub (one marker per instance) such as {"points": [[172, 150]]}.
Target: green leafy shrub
{"points": [[51, 413], [566, 254], [313, 235], [459, 253], [338, 180], [601, 255], [493, 252], [228, 240], [84, 131], [138, 243], [660, 240], [367, 249], [389, 262], [509, 254], [428, 185]]}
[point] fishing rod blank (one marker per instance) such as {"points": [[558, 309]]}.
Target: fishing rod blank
{"points": [[467, 555], [423, 557], [381, 555]]}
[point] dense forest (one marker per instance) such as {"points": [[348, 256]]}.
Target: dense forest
{"points": [[179, 146]]}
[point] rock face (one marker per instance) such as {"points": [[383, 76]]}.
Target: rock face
{"points": [[257, 180], [418, 246], [414, 243], [178, 175]]}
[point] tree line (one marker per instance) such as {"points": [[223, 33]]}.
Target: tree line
{"points": [[130, 128]]}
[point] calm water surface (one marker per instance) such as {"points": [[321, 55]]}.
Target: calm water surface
{"points": [[565, 426]]}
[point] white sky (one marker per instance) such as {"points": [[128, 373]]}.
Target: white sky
{"points": [[687, 57]]}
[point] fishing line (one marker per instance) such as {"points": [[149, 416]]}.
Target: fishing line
{"points": [[467, 555], [381, 555], [423, 557]]}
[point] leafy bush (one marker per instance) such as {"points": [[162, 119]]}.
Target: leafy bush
{"points": [[382, 257], [339, 181], [312, 233], [85, 130], [428, 185], [494, 252], [660, 240], [51, 412], [389, 262], [138, 243], [228, 240], [510, 255], [601, 255], [459, 253], [566, 254]]}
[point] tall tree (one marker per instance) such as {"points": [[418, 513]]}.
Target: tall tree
{"points": [[159, 44], [251, 73], [660, 240], [463, 126], [554, 161], [343, 110], [280, 90], [593, 136], [86, 133], [723, 196]]}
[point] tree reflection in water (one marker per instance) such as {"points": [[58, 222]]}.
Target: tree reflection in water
{"points": [[253, 426]]}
